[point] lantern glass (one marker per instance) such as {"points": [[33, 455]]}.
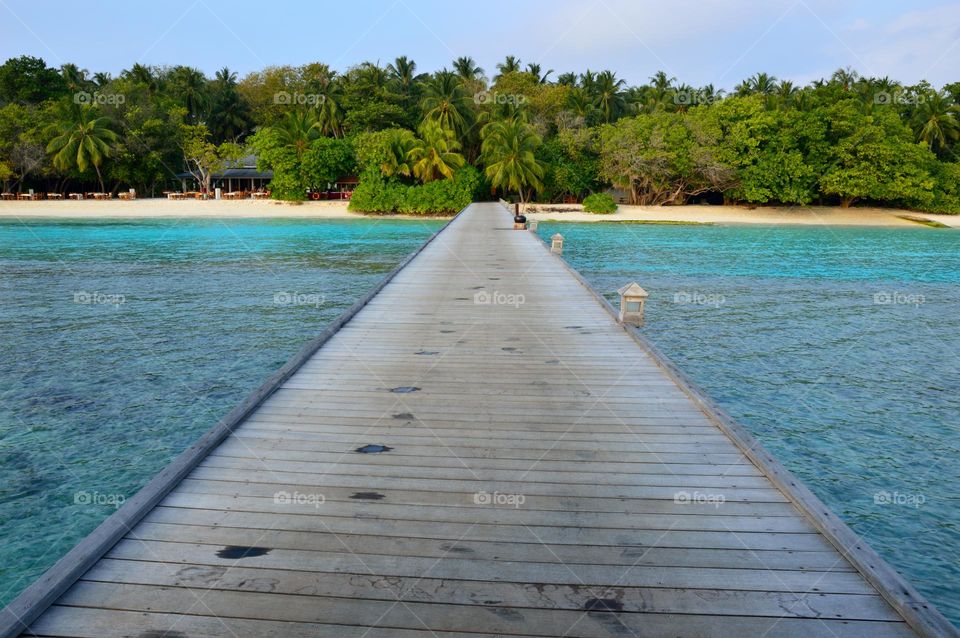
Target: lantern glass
{"points": [[633, 306]]}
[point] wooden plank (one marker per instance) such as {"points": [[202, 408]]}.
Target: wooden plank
{"points": [[416, 615]]}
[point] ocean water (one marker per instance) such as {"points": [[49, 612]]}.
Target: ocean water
{"points": [[123, 341], [838, 348]]}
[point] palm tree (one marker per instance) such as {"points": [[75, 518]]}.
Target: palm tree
{"points": [[845, 77], [446, 102], [142, 74], [609, 98], [534, 69], [567, 79], [83, 140], [297, 130], [467, 69], [758, 84], [101, 79], [435, 155], [508, 152], [937, 121], [403, 76], [229, 114], [580, 103], [510, 64], [75, 77], [399, 143], [190, 86]]}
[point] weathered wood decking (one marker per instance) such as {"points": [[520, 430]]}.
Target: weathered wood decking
{"points": [[621, 505]]}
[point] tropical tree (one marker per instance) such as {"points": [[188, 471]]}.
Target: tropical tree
{"points": [[508, 153], [510, 64], [936, 121], [467, 68], [189, 87], [229, 114], [446, 103], [609, 98], [83, 139], [434, 155], [535, 69], [403, 77], [759, 83], [397, 147], [297, 130]]}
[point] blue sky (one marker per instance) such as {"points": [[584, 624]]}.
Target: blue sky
{"points": [[699, 42]]}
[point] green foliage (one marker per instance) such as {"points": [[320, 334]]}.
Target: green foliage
{"points": [[28, 80], [600, 203], [509, 155], [380, 194], [664, 158], [300, 167], [873, 156]]}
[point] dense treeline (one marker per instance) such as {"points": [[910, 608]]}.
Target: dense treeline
{"points": [[431, 141]]}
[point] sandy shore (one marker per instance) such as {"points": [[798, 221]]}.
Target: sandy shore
{"points": [[559, 212], [812, 215], [161, 207]]}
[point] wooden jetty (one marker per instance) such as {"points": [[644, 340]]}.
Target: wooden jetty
{"points": [[476, 449]]}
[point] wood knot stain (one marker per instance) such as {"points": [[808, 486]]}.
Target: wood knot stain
{"points": [[242, 551], [373, 449], [427, 353], [404, 389], [603, 604], [456, 549], [162, 633], [403, 415], [367, 496]]}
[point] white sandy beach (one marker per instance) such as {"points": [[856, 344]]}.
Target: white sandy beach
{"points": [[810, 215], [160, 207]]}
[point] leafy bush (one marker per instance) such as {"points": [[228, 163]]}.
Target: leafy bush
{"points": [[379, 194], [600, 203]]}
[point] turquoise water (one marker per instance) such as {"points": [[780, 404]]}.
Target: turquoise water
{"points": [[839, 348], [123, 341]]}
